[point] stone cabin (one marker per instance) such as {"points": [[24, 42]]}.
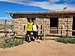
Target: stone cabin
{"points": [[51, 23]]}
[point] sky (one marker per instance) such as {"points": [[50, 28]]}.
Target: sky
{"points": [[33, 6]]}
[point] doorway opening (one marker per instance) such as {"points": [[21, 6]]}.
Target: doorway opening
{"points": [[54, 25], [73, 26]]}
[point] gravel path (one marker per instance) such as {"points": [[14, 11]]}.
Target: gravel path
{"points": [[41, 48]]}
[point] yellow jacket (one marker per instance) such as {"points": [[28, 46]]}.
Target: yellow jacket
{"points": [[29, 26]]}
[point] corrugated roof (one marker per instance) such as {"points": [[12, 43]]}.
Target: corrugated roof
{"points": [[51, 12]]}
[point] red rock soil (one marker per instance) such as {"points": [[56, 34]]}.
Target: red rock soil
{"points": [[42, 48]]}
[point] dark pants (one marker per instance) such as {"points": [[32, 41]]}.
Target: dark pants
{"points": [[35, 34], [29, 38], [28, 33]]}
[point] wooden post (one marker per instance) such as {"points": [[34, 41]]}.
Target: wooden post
{"points": [[67, 28], [44, 28], [5, 25]]}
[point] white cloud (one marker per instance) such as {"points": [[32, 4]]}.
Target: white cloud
{"points": [[17, 1], [53, 6], [53, 0], [7, 0], [24, 1], [50, 5], [47, 5], [3, 0]]}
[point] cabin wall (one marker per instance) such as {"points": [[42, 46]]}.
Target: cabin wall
{"points": [[45, 24], [39, 22], [70, 22], [64, 24], [19, 24]]}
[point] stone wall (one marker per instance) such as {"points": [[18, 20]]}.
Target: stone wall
{"points": [[65, 26], [45, 23], [19, 25], [39, 21], [62, 26], [70, 21]]}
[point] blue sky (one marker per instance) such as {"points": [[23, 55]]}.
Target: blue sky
{"points": [[33, 6]]}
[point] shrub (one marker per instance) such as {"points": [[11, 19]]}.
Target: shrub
{"points": [[8, 43], [66, 40]]}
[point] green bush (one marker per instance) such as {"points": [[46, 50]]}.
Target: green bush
{"points": [[66, 40], [18, 42], [8, 43]]}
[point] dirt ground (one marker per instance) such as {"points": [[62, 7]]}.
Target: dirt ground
{"points": [[40, 48]]}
